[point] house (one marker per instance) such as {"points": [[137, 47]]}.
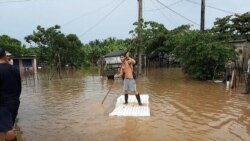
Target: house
{"points": [[26, 64]]}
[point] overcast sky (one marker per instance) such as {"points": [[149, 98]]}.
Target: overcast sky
{"points": [[100, 19]]}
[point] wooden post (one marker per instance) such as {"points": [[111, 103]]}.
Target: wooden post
{"points": [[139, 61]]}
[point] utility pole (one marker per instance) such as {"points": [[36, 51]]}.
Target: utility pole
{"points": [[139, 61], [202, 28]]}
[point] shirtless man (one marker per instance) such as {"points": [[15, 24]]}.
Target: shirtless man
{"points": [[129, 82]]}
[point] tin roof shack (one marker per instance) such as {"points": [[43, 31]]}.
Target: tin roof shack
{"points": [[27, 65], [242, 49]]}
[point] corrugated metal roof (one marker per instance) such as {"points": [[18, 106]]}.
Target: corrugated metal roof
{"points": [[115, 53]]}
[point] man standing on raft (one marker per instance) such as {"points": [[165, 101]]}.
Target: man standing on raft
{"points": [[129, 81]]}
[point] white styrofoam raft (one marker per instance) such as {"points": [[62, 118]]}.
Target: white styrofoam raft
{"points": [[132, 108]]}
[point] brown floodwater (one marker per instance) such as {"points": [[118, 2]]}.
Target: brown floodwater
{"points": [[182, 109]]}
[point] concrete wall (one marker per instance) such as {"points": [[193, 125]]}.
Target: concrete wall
{"points": [[244, 46]]}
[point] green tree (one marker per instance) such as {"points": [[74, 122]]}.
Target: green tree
{"points": [[202, 55], [45, 40], [233, 27], [97, 48], [241, 25], [223, 25], [153, 37], [73, 53], [173, 37], [11, 45], [56, 48]]}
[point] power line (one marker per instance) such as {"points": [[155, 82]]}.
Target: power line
{"points": [[219, 9], [14, 1], [163, 13], [177, 2], [158, 9], [88, 13], [102, 19], [177, 13]]}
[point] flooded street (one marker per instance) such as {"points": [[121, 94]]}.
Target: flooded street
{"points": [[181, 109]]}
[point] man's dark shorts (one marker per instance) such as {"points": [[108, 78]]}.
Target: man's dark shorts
{"points": [[6, 122]]}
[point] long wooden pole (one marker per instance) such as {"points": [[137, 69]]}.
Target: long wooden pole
{"points": [[108, 91]]}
